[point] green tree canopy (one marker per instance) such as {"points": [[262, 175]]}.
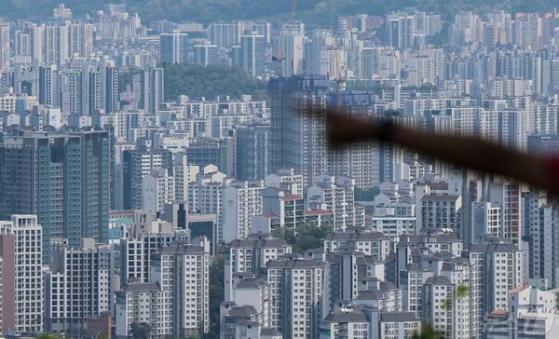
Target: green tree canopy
{"points": [[366, 195], [209, 82], [141, 330], [50, 336], [216, 296], [305, 237]]}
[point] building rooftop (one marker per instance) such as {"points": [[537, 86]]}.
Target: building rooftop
{"points": [[181, 249], [438, 280], [347, 316], [520, 288], [398, 316], [355, 236], [317, 212], [245, 311], [434, 237], [289, 262], [493, 247], [258, 241], [250, 283], [140, 287], [439, 197], [291, 197]]}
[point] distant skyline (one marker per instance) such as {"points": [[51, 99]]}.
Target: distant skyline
{"points": [[277, 11]]}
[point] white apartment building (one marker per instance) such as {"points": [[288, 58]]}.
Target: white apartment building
{"points": [[395, 325], [346, 323], [508, 127], [285, 209], [241, 201], [526, 299], [393, 226], [143, 240], [80, 284], [337, 195], [369, 243], [532, 313], [507, 195], [351, 276], [296, 296], [379, 294], [182, 272], [205, 191], [497, 269], [241, 322], [366, 322], [137, 303], [28, 272], [248, 316], [250, 255], [363, 162], [9, 102], [158, 189], [256, 293], [287, 181], [436, 241], [486, 220], [447, 307], [411, 282], [440, 211]]}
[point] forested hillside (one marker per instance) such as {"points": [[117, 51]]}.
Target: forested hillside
{"points": [[312, 11], [198, 81]]}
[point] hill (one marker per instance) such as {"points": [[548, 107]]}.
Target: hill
{"points": [[198, 81], [322, 12]]}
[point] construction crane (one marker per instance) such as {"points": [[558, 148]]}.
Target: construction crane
{"points": [[340, 80], [277, 53]]}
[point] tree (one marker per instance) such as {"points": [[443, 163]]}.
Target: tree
{"points": [[199, 81], [305, 237], [366, 195], [50, 336], [209, 82], [216, 296], [141, 330], [427, 332]]}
